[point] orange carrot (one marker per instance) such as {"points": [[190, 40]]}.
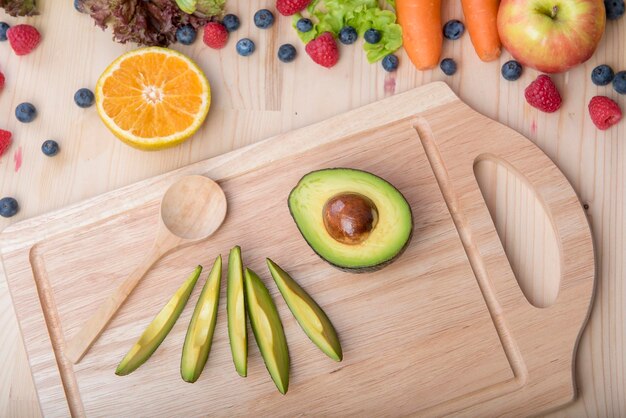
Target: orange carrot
{"points": [[480, 19], [422, 35]]}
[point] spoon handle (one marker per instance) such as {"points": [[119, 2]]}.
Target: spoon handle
{"points": [[77, 347]]}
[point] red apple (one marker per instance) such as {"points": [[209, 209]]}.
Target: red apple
{"points": [[551, 36]]}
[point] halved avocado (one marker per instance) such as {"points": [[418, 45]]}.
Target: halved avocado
{"points": [[201, 327], [353, 219], [158, 329], [310, 316], [236, 308], [268, 330]]}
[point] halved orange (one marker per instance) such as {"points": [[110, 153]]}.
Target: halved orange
{"points": [[153, 98]]}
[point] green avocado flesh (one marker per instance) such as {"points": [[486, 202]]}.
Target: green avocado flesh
{"points": [[236, 308], [307, 312], [390, 232], [268, 330], [201, 327], [158, 329]]}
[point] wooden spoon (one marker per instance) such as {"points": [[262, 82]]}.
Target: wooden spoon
{"points": [[192, 209]]}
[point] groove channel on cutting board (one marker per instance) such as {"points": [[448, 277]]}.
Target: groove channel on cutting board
{"points": [[55, 331], [527, 236], [433, 155]]}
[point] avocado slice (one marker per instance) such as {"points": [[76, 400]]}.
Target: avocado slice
{"points": [[268, 330], [236, 309], [310, 316], [158, 329], [200, 331], [353, 219]]}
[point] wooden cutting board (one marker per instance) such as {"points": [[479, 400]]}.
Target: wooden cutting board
{"points": [[445, 329]]}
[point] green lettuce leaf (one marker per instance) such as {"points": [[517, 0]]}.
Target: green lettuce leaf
{"points": [[19, 7], [204, 8], [332, 15], [187, 6], [385, 22], [210, 7]]}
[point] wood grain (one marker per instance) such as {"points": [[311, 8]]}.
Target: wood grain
{"points": [[426, 332], [524, 229], [258, 97]]}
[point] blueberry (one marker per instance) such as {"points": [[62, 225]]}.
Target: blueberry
{"points": [[263, 19], [245, 47], [448, 66], [4, 27], [614, 9], [602, 75], [372, 36], [453, 29], [390, 63], [25, 112], [304, 25], [78, 5], [186, 34], [347, 35], [8, 207], [84, 97], [287, 53], [50, 148], [511, 70], [231, 22], [619, 82]]}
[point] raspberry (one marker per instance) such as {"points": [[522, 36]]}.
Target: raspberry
{"points": [[604, 112], [23, 38], [5, 141], [323, 50], [291, 7], [543, 94], [1, 80], [215, 35]]}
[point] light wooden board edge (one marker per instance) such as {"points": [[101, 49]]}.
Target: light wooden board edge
{"points": [[576, 254], [55, 334]]}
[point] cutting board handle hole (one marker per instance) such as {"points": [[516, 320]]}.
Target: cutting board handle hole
{"points": [[525, 229]]}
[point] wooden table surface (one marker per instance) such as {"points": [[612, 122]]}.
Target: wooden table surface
{"points": [[257, 97]]}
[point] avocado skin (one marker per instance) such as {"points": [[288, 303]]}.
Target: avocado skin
{"points": [[278, 353], [235, 277], [190, 367], [131, 362], [356, 270], [289, 288], [363, 270]]}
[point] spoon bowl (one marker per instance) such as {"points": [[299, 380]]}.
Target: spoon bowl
{"points": [[193, 208]]}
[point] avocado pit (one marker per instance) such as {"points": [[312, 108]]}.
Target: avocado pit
{"points": [[353, 219], [350, 217]]}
